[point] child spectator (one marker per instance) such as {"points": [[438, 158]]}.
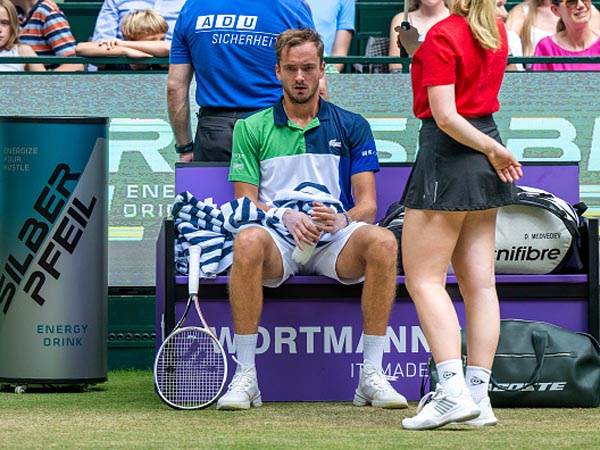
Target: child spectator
{"points": [[109, 23], [9, 41], [574, 36], [45, 28], [144, 33]]}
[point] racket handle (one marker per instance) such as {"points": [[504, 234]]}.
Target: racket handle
{"points": [[194, 269]]}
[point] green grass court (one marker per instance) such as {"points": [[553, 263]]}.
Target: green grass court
{"points": [[125, 413]]}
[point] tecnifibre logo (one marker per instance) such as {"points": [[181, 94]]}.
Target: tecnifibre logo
{"points": [[528, 253]]}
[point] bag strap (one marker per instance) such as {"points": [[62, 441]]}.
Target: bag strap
{"points": [[541, 202], [539, 339]]}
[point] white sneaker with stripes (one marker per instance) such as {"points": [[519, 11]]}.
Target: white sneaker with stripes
{"points": [[439, 408]]}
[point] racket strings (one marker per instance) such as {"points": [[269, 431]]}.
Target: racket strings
{"points": [[190, 368]]}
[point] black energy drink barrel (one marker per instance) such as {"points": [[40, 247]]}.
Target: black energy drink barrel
{"points": [[53, 250]]}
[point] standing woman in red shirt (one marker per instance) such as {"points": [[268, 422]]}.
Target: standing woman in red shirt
{"points": [[461, 175]]}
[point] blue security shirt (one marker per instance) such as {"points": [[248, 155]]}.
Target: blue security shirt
{"points": [[231, 45]]}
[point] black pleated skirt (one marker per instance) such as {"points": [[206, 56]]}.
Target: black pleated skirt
{"points": [[450, 176]]}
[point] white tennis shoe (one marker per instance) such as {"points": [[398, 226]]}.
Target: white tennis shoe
{"points": [[375, 389], [487, 417], [242, 392], [439, 408]]}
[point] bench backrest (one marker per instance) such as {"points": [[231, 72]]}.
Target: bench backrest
{"points": [[209, 180]]}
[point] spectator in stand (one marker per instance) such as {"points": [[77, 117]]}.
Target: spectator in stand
{"points": [[334, 21], [144, 33], [229, 47], [574, 37], [422, 15], [45, 28], [515, 48], [9, 41], [113, 12], [534, 20]]}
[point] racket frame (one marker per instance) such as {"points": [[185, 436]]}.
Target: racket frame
{"points": [[193, 283]]}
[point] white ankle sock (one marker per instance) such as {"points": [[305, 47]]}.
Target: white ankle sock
{"points": [[451, 376], [478, 382], [373, 349], [245, 348]]}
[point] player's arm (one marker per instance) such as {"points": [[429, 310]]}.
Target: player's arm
{"points": [[242, 189], [365, 201], [365, 206], [178, 101], [443, 107]]}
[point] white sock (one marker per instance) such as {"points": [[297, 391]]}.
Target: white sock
{"points": [[245, 348], [451, 376], [373, 349], [478, 382]]}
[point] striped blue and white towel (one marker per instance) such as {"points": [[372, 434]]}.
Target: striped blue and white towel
{"points": [[213, 229]]}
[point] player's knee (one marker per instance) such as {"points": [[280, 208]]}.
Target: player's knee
{"points": [[382, 246], [249, 246]]}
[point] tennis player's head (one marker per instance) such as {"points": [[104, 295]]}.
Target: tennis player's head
{"points": [[300, 64], [481, 15]]}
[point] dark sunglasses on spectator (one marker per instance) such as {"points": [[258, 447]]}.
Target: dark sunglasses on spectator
{"points": [[571, 3]]}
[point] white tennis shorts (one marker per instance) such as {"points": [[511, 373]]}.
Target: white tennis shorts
{"points": [[322, 262]]}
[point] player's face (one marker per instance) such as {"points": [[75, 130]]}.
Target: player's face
{"points": [[4, 27], [300, 71]]}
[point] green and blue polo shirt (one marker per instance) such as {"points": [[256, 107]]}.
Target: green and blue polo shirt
{"points": [[275, 154]]}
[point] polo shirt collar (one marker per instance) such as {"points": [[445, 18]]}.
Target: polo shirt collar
{"points": [[281, 118]]}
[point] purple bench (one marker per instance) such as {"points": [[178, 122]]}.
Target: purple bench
{"points": [[309, 343]]}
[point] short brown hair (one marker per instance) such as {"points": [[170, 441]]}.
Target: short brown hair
{"points": [[13, 18], [292, 38], [139, 24]]}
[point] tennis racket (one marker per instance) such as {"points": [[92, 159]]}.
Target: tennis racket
{"points": [[190, 367]]}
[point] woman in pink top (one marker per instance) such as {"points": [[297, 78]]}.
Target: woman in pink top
{"points": [[574, 37]]}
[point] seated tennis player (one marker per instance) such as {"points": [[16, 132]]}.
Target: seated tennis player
{"points": [[302, 139]]}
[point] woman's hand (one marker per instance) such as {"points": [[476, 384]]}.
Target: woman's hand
{"points": [[505, 164]]}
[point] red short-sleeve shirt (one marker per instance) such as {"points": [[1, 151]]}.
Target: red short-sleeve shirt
{"points": [[451, 55]]}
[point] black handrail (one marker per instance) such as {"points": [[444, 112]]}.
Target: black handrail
{"points": [[330, 60]]}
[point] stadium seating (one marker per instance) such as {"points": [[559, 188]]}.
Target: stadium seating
{"points": [[309, 345], [82, 18]]}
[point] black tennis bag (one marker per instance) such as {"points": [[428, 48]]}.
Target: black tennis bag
{"points": [[540, 364], [539, 234], [394, 221]]}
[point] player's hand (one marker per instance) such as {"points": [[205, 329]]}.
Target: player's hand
{"points": [[326, 219], [301, 227], [186, 157], [505, 164]]}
